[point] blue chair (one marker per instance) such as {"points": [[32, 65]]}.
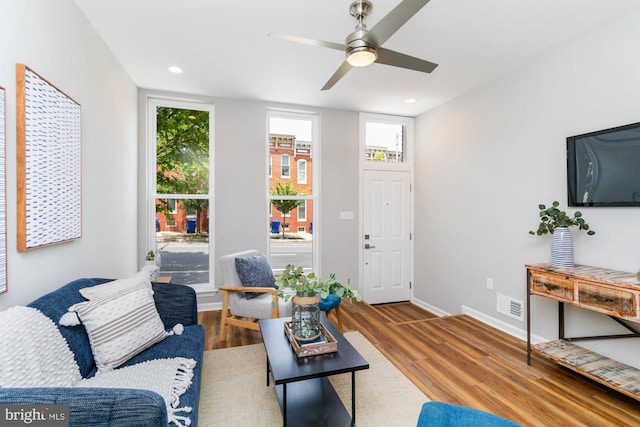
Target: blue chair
{"points": [[332, 302], [441, 414]]}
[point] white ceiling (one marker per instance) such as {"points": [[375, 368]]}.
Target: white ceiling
{"points": [[223, 47]]}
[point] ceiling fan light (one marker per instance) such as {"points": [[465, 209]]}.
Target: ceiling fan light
{"points": [[362, 56]]}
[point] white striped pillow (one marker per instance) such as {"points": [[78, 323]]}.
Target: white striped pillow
{"points": [[121, 325]]}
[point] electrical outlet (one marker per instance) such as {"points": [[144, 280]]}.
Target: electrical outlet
{"points": [[489, 283]]}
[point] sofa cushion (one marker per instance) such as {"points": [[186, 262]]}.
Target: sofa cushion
{"points": [[254, 272], [54, 305], [121, 325], [107, 289]]}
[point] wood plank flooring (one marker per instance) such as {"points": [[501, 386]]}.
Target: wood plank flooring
{"points": [[460, 360]]}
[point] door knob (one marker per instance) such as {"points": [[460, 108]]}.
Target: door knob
{"points": [[368, 246]]}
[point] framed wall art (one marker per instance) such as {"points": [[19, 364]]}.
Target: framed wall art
{"points": [[3, 195], [48, 146]]}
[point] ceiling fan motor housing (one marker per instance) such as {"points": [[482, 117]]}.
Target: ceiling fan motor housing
{"points": [[356, 42]]}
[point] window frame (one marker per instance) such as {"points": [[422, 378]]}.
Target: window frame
{"points": [[408, 134], [153, 102], [314, 118]]}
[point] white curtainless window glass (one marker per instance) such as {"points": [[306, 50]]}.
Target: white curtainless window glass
{"points": [[180, 176]]}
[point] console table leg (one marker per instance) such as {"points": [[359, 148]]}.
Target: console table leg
{"points": [[560, 320], [528, 318]]}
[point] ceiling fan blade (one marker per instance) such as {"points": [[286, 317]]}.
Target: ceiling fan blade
{"points": [[340, 72], [397, 59], [311, 42], [395, 19]]}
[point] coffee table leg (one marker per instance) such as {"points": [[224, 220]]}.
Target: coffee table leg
{"points": [[353, 398], [267, 371], [284, 404]]}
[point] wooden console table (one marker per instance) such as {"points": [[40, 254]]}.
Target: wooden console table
{"points": [[613, 293]]}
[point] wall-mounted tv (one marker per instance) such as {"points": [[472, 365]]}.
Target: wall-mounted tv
{"points": [[603, 167]]}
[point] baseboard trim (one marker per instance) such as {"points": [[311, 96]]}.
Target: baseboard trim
{"points": [[502, 326], [430, 308], [484, 318], [209, 306]]}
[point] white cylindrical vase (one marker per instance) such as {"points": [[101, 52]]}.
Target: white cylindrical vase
{"points": [[562, 248]]}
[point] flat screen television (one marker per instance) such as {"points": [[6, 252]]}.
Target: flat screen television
{"points": [[603, 167]]}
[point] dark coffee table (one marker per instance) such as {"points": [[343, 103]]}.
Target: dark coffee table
{"points": [[305, 394]]}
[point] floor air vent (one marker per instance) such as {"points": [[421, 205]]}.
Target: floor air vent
{"points": [[510, 306]]}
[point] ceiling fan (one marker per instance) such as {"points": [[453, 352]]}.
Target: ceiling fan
{"points": [[363, 47]]}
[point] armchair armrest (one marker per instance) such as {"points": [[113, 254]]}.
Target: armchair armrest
{"points": [[272, 291], [93, 407]]}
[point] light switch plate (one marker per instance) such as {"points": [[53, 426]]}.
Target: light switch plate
{"points": [[346, 215]]}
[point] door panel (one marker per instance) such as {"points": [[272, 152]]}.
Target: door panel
{"points": [[387, 228]]}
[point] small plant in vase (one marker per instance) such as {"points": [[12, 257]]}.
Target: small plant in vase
{"points": [[307, 290], [151, 265], [557, 222]]}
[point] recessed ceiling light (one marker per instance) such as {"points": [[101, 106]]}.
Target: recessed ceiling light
{"points": [[411, 100], [175, 69]]}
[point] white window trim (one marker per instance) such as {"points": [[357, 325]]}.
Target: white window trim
{"points": [[150, 182], [316, 193], [406, 122]]}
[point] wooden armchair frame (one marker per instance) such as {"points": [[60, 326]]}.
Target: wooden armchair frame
{"points": [[227, 318]]}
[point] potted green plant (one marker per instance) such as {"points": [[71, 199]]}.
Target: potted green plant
{"points": [[152, 265], [557, 222], [151, 256], [306, 291], [294, 281], [552, 218]]}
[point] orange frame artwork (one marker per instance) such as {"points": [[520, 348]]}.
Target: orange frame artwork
{"points": [[48, 147]]}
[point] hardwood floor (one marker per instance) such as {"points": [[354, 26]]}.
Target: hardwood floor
{"points": [[460, 360]]}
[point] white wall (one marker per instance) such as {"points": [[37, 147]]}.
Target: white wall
{"points": [[487, 159], [240, 159], [55, 40]]}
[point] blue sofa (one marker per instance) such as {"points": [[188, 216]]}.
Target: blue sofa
{"points": [[120, 407]]}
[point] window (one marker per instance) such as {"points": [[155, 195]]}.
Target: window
{"points": [[302, 212], [180, 176], [293, 140], [171, 211], [385, 140], [284, 166], [302, 171]]}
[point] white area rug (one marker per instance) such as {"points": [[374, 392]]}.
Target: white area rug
{"points": [[234, 391]]}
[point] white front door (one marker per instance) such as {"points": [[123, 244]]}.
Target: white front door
{"points": [[387, 236]]}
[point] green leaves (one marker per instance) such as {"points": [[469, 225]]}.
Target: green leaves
{"points": [[292, 280], [552, 218]]}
